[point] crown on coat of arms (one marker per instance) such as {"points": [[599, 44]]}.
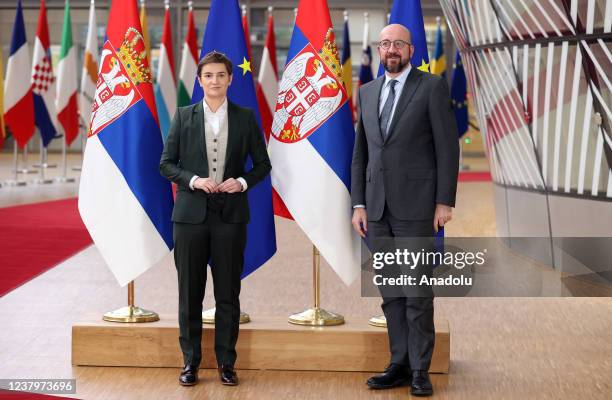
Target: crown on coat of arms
{"points": [[132, 55], [329, 53]]}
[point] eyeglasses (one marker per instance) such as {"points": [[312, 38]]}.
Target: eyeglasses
{"points": [[398, 44]]}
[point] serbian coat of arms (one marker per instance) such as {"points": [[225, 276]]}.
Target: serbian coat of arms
{"points": [[310, 92], [121, 71]]}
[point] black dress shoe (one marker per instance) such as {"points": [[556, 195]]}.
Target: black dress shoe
{"points": [[189, 375], [421, 385], [394, 375], [228, 375]]}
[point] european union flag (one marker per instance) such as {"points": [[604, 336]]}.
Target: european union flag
{"points": [[459, 96], [224, 33], [409, 14]]}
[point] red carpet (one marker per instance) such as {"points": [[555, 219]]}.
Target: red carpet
{"points": [[36, 237], [6, 394], [476, 176]]}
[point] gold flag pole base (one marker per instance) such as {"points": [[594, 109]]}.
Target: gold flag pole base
{"points": [[379, 321], [208, 316], [316, 317], [131, 314]]}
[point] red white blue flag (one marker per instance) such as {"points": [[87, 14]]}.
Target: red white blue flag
{"points": [[124, 201], [311, 140]]}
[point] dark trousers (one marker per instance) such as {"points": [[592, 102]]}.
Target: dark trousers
{"points": [[410, 324], [195, 245]]}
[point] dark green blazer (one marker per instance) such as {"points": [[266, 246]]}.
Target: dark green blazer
{"points": [[185, 156]]}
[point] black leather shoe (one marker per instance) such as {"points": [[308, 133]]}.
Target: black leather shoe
{"points": [[189, 375], [421, 385], [228, 375], [394, 375]]}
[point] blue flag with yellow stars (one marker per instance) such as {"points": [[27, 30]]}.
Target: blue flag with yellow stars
{"points": [[459, 96], [224, 33], [409, 14]]}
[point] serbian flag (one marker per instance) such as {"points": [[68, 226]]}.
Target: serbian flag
{"points": [[224, 33], [89, 74], [43, 81], [311, 142], [123, 200], [165, 90], [189, 62], [2, 129], [66, 96], [18, 100]]}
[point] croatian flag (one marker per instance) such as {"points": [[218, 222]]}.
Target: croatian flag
{"points": [[43, 81], [224, 33], [18, 101], [165, 91], [124, 201], [312, 138]]}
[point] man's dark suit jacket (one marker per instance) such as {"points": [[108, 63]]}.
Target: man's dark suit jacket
{"points": [[185, 155], [416, 166]]}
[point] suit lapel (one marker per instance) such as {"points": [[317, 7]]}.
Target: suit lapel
{"points": [[410, 87], [374, 105], [198, 127], [232, 131]]}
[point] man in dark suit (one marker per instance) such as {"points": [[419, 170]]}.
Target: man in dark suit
{"points": [[205, 155], [404, 179]]}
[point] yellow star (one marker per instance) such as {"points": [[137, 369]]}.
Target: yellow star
{"points": [[424, 66], [246, 66]]}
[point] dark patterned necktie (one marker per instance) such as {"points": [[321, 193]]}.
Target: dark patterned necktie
{"points": [[385, 115]]}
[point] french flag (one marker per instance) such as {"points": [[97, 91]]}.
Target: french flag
{"points": [[123, 200], [43, 81], [311, 141], [18, 101]]}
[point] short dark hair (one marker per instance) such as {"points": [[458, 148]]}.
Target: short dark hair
{"points": [[214, 57]]}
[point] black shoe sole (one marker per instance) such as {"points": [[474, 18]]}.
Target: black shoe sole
{"points": [[188, 384], [229, 384], [421, 393], [401, 382]]}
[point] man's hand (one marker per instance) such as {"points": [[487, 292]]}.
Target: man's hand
{"points": [[360, 221], [442, 215], [206, 184], [230, 186]]}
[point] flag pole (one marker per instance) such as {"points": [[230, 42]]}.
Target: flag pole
{"points": [[131, 313], [316, 316], [25, 169], [15, 181], [64, 177], [43, 165]]}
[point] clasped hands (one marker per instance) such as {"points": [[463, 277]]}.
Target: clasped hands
{"points": [[208, 185]]}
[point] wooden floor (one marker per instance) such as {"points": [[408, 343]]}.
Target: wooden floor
{"points": [[501, 348]]}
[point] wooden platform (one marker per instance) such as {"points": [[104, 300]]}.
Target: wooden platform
{"points": [[266, 343]]}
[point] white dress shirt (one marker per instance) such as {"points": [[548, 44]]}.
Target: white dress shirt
{"points": [[214, 119], [384, 93]]}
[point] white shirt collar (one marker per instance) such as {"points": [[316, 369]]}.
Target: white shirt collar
{"points": [[401, 78], [221, 110]]}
